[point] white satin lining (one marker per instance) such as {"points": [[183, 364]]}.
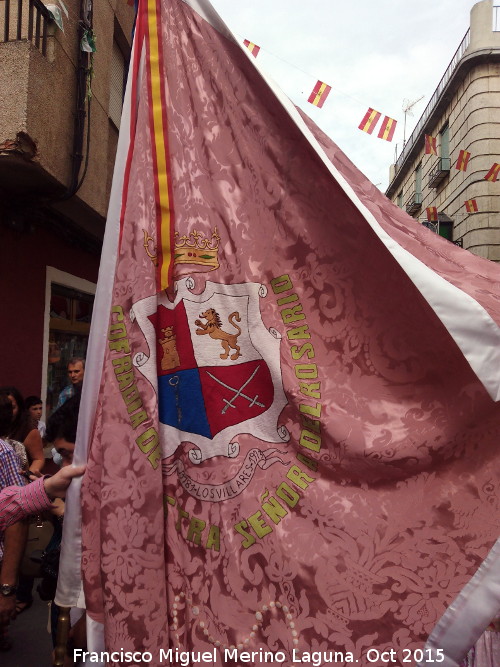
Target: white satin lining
{"points": [[69, 583], [468, 615]]}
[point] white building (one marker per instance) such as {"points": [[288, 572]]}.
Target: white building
{"points": [[463, 114]]}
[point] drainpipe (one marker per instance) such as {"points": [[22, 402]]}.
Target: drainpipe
{"points": [[82, 71]]}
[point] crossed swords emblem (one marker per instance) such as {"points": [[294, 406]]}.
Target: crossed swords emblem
{"points": [[238, 392]]}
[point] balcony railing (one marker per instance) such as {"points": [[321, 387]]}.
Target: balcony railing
{"points": [[433, 101], [414, 204], [433, 226], [439, 172], [24, 20]]}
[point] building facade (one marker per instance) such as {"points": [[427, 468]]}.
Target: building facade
{"points": [[464, 118], [62, 75]]}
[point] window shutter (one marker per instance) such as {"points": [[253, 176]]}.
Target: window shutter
{"points": [[117, 84]]}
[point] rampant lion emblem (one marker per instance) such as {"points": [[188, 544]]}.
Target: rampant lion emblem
{"points": [[213, 328]]}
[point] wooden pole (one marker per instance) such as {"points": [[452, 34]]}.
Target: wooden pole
{"points": [[62, 636]]}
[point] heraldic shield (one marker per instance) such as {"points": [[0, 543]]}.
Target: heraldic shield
{"points": [[214, 365]]}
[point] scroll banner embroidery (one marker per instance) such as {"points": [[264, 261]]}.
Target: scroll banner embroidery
{"points": [[216, 493]]}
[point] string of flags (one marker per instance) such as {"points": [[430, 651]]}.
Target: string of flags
{"points": [[321, 91], [388, 125], [463, 159], [431, 212], [462, 163]]}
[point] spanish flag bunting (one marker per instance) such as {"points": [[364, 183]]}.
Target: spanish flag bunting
{"points": [[492, 175], [430, 145], [463, 160], [253, 48], [471, 206], [432, 214], [369, 121], [319, 94], [387, 128]]}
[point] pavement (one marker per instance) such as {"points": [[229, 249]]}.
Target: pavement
{"points": [[32, 643]]}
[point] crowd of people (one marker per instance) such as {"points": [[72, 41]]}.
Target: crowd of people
{"points": [[33, 484]]}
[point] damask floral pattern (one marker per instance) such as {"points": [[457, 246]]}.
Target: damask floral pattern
{"points": [[389, 517]]}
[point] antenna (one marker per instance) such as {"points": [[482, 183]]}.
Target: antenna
{"points": [[407, 110]]}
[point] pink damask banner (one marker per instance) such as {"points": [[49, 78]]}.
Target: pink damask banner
{"points": [[294, 450]]}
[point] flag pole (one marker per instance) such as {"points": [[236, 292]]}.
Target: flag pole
{"points": [[62, 636]]}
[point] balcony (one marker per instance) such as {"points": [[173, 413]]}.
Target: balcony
{"points": [[25, 20], [414, 204], [439, 172]]}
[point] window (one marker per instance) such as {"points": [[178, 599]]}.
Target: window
{"points": [[400, 199], [418, 179], [446, 229], [117, 84], [496, 15], [444, 136]]}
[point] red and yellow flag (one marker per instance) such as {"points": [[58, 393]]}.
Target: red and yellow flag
{"points": [[319, 94], [430, 145], [253, 48], [471, 206], [432, 214], [370, 120], [463, 160], [492, 175], [387, 128]]}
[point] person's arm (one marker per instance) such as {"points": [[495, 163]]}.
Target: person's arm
{"points": [[34, 447], [13, 549], [17, 502], [14, 536]]}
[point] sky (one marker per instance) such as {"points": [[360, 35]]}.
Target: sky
{"points": [[384, 54]]}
